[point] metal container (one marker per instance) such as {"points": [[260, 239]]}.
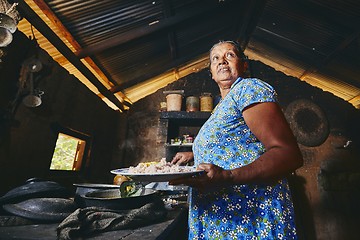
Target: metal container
{"points": [[173, 102], [192, 104]]}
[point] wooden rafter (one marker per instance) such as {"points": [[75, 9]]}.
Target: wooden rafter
{"points": [[66, 52], [68, 36]]}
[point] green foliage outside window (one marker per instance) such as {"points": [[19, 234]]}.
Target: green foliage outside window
{"points": [[65, 152]]}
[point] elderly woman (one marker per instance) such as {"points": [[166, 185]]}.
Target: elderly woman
{"points": [[246, 149]]}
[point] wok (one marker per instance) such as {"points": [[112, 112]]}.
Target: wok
{"points": [[43, 209], [35, 188]]}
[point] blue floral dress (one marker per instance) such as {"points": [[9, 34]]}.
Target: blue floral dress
{"points": [[240, 211]]}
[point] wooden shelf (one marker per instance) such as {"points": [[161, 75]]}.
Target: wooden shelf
{"points": [[184, 114], [186, 118], [178, 123], [179, 145]]}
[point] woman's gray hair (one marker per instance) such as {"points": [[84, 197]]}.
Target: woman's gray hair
{"points": [[236, 45]]}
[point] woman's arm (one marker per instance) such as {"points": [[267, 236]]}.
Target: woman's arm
{"points": [[267, 122]]}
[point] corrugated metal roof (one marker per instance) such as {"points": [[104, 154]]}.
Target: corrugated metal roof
{"points": [[315, 41], [134, 48]]}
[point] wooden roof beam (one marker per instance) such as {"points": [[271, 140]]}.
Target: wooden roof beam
{"points": [[68, 36], [42, 27]]}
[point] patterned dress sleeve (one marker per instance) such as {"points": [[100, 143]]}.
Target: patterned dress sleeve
{"points": [[251, 90]]}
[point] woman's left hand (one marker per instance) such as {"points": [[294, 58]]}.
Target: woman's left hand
{"points": [[212, 178]]}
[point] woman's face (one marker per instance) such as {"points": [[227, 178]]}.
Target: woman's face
{"points": [[225, 65]]}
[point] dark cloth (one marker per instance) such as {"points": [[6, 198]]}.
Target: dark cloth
{"points": [[86, 221]]}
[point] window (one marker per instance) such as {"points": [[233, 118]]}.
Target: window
{"points": [[70, 151]]}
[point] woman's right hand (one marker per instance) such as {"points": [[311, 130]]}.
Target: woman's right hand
{"points": [[213, 177], [182, 158]]}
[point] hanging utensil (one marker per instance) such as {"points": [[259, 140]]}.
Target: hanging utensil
{"points": [[7, 22], [34, 98], [5, 37], [7, 28]]}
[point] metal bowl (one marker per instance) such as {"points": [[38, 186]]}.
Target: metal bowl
{"points": [[111, 199], [84, 188]]}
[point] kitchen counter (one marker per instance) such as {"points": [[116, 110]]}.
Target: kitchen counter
{"points": [[173, 226]]}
